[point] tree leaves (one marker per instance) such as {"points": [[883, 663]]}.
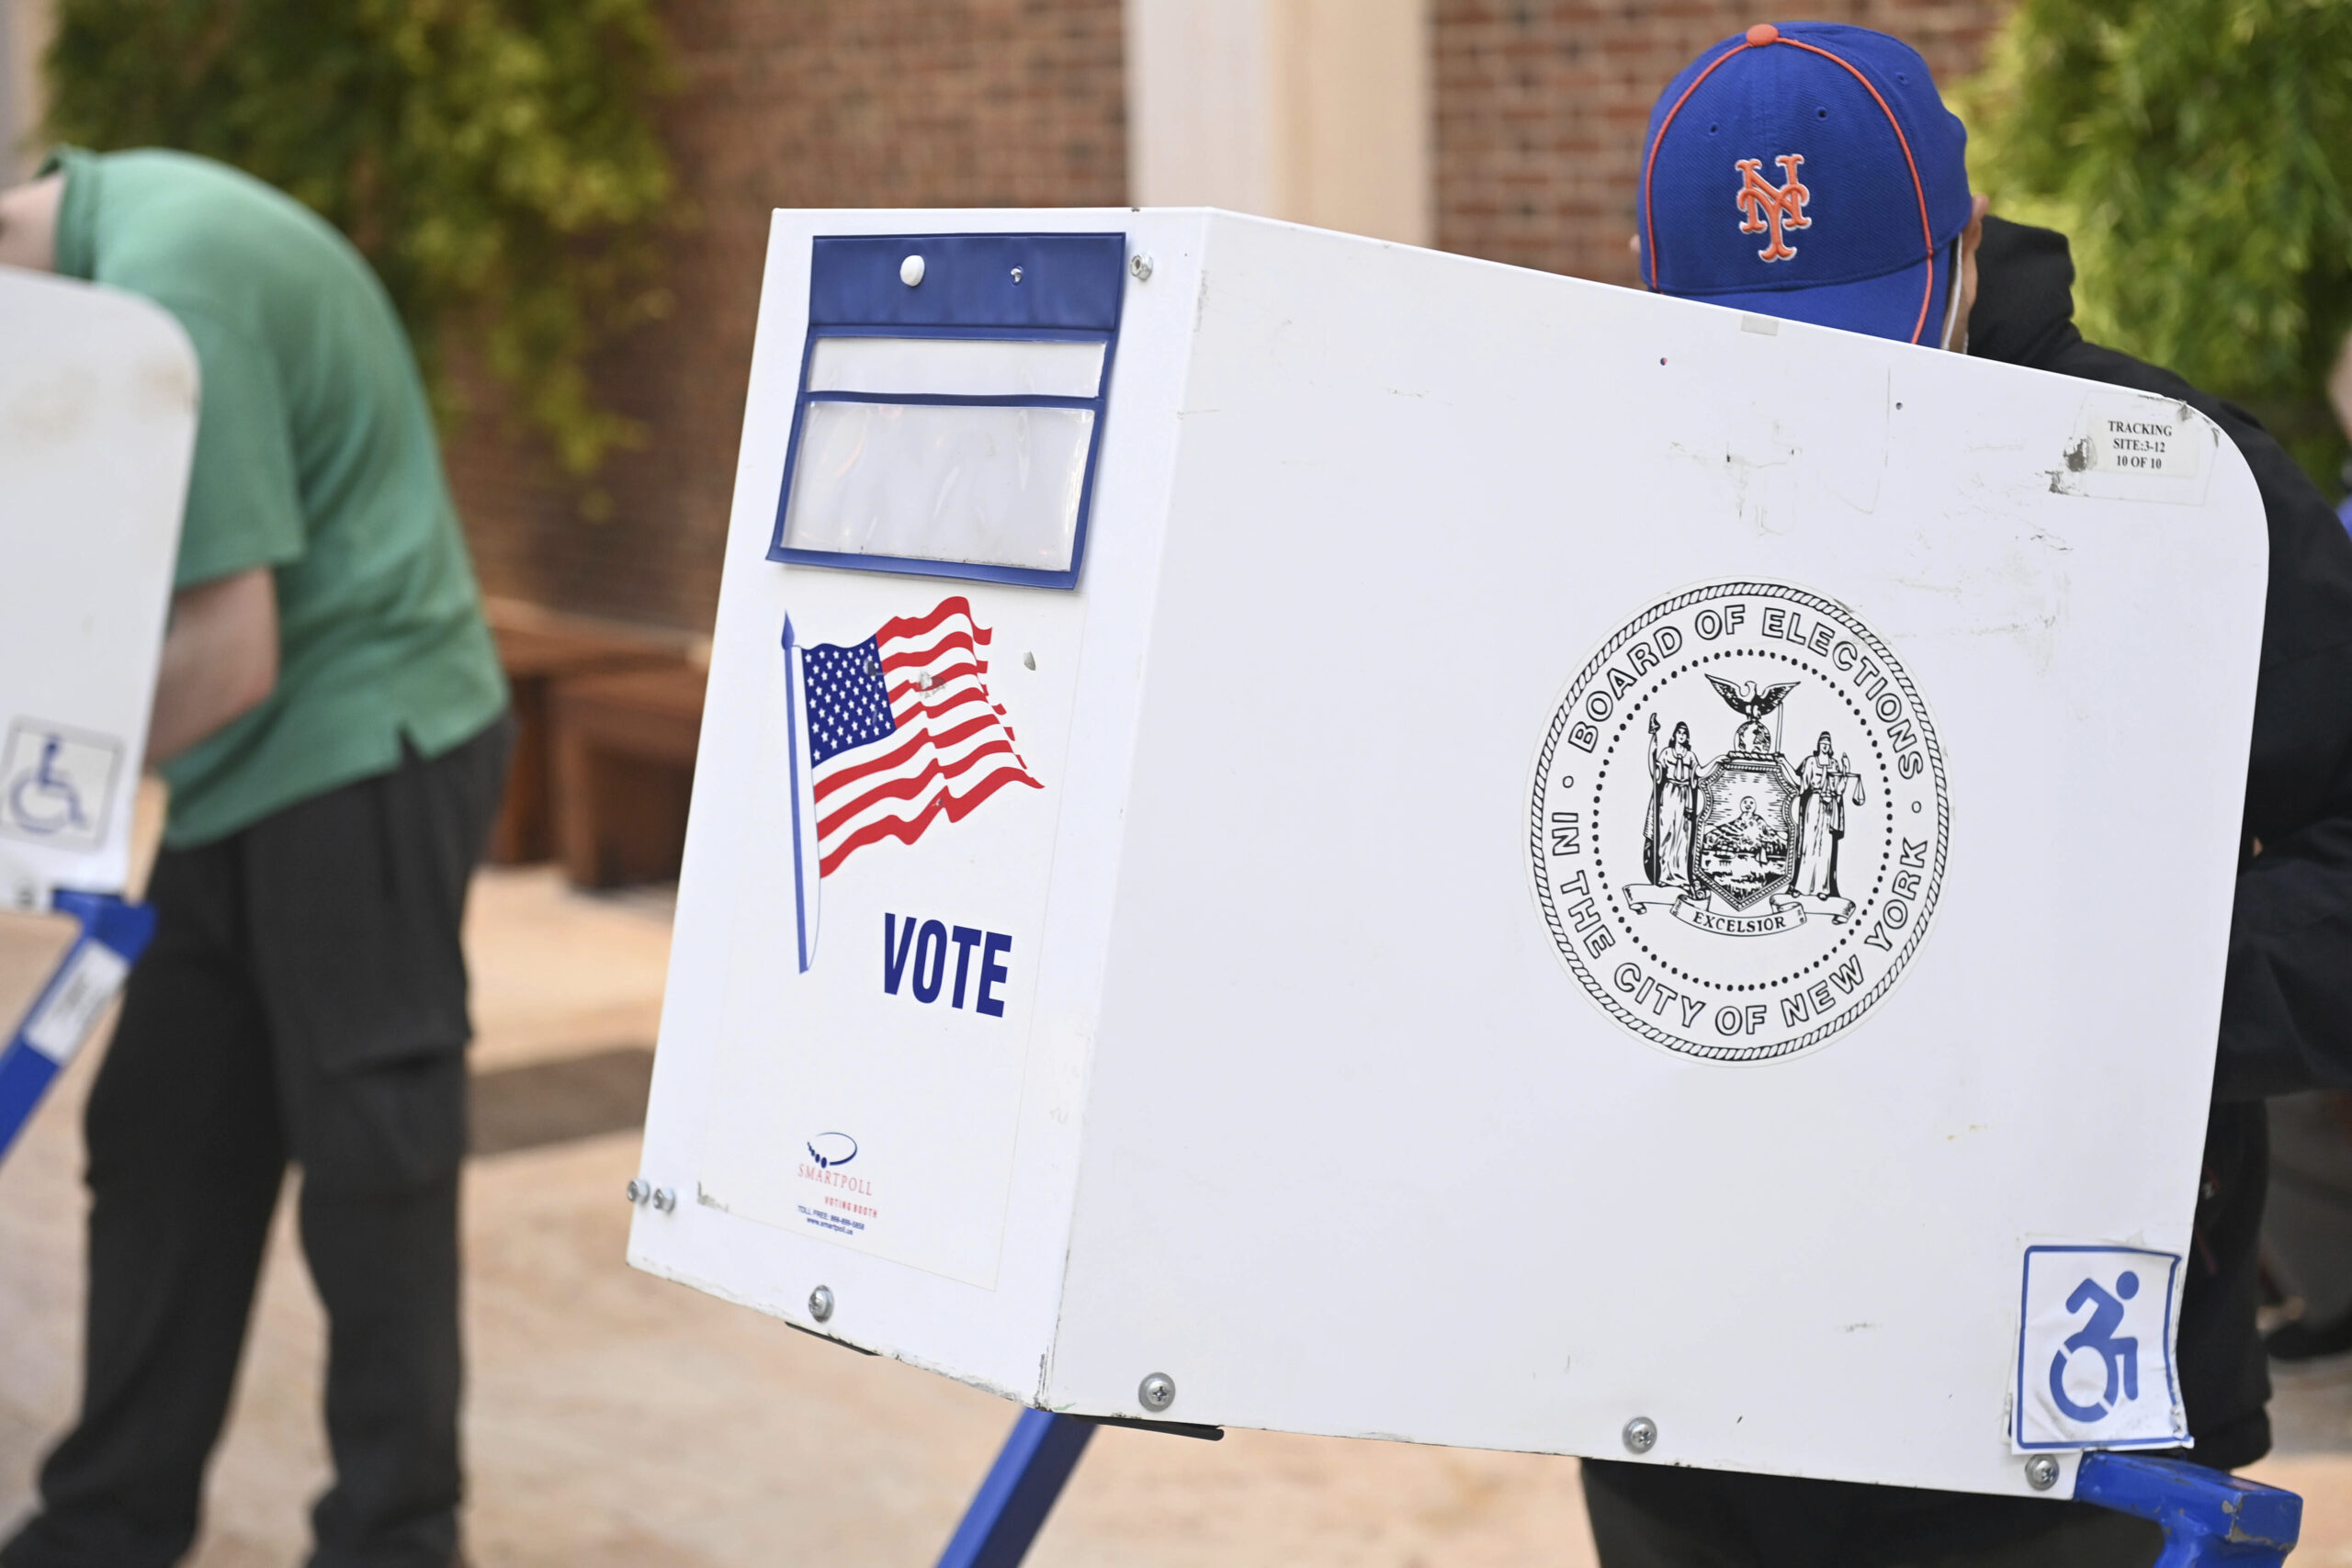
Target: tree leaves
{"points": [[496, 161], [2195, 152]]}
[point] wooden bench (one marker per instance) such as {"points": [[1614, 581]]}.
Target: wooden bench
{"points": [[539, 648], [624, 745]]}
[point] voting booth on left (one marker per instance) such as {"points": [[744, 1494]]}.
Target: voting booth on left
{"points": [[97, 423], [1297, 833]]}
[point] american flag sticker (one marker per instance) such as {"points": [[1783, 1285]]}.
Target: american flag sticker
{"points": [[887, 736]]}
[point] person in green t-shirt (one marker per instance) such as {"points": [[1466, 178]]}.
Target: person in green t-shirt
{"points": [[332, 723]]}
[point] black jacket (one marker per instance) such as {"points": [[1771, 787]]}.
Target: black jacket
{"points": [[2287, 1006]]}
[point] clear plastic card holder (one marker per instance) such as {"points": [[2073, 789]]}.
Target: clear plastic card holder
{"points": [[956, 366], [986, 485], [951, 405]]}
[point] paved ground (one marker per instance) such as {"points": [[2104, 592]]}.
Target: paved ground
{"points": [[616, 1420]]}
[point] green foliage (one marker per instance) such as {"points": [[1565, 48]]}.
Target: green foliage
{"points": [[495, 160], [2197, 153]]}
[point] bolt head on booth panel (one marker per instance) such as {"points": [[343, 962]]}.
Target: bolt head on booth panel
{"points": [[1576, 863], [97, 425]]}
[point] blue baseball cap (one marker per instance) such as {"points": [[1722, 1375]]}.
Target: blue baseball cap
{"points": [[1808, 171]]}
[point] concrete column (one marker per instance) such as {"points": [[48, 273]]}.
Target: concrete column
{"points": [[1313, 110], [24, 35]]}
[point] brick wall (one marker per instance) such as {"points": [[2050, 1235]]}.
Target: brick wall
{"points": [[1542, 106], [787, 103]]}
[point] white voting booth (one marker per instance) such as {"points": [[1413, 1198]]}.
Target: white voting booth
{"points": [[97, 423], [97, 420], [1301, 833]]}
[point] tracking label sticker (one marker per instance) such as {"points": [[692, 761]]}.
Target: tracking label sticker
{"points": [[83, 988], [2136, 446]]}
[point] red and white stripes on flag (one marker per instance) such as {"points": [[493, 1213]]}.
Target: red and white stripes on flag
{"points": [[889, 736]]}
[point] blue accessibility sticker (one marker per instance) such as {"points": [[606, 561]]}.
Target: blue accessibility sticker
{"points": [[2095, 1346]]}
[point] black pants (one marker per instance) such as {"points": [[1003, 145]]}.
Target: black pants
{"points": [[304, 999], [1653, 1515]]}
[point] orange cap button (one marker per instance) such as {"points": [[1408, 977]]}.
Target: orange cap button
{"points": [[1763, 33]]}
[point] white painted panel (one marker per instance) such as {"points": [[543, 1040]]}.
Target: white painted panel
{"points": [[734, 910], [97, 421], [1316, 1114]]}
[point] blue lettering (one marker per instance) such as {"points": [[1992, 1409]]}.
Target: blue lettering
{"points": [[930, 953], [920, 950], [894, 969], [992, 973], [966, 939]]}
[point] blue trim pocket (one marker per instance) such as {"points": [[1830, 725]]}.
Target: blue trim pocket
{"points": [[972, 288]]}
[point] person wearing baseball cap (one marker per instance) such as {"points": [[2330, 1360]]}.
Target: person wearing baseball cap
{"points": [[1810, 171]]}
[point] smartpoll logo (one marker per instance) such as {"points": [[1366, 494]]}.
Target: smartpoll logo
{"points": [[846, 1205], [831, 1150]]}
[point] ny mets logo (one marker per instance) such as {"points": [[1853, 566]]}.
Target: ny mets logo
{"points": [[1763, 207]]}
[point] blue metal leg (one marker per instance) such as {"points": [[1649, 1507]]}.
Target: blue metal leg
{"points": [[2209, 1517], [1028, 1475], [114, 933]]}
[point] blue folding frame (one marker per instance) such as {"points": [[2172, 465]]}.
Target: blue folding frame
{"points": [[26, 1069], [1072, 288]]}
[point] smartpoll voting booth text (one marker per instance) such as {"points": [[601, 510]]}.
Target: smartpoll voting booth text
{"points": [[97, 423], [1302, 833]]}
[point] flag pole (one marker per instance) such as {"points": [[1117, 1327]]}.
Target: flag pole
{"points": [[806, 873]]}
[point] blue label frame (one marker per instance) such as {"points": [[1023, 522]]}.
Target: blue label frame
{"points": [[1073, 290], [2172, 1384]]}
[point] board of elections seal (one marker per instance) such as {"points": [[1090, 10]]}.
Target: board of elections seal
{"points": [[1737, 822]]}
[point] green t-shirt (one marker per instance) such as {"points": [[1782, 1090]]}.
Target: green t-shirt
{"points": [[314, 457]]}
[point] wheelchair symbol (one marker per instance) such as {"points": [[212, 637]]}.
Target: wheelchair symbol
{"points": [[2119, 1354], [42, 799]]}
